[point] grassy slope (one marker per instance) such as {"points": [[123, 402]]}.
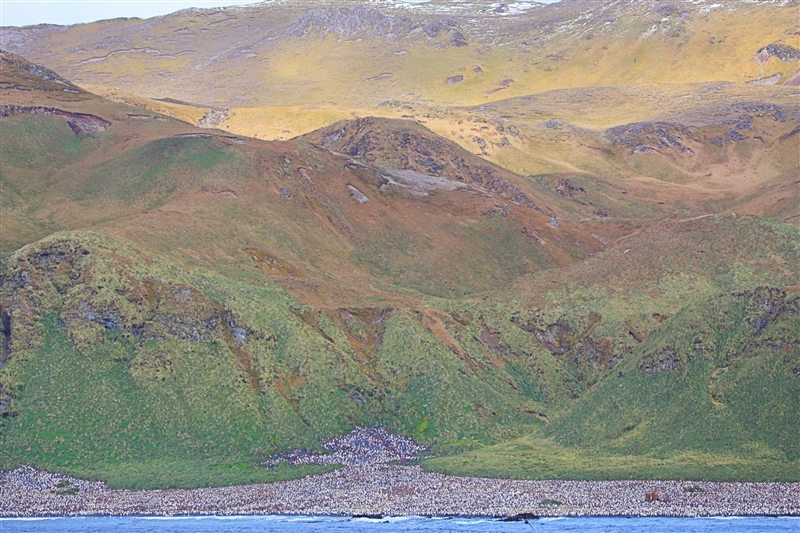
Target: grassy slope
{"points": [[494, 379], [561, 45], [457, 372], [711, 416], [722, 406], [752, 176], [180, 188], [101, 400], [486, 388]]}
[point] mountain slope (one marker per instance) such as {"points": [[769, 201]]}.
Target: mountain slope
{"points": [[449, 52], [112, 356], [713, 392], [160, 321], [230, 298]]}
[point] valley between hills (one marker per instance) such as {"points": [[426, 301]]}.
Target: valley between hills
{"points": [[544, 241]]}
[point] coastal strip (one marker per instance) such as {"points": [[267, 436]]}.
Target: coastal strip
{"points": [[390, 490]]}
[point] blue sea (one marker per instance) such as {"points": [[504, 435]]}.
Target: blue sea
{"points": [[317, 524]]}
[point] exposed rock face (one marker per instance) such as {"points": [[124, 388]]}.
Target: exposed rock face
{"points": [[784, 52], [37, 70], [567, 189], [343, 21], [78, 122], [771, 80], [595, 352], [357, 195], [652, 136], [769, 313], [213, 119], [665, 361], [91, 292], [19, 74], [559, 338], [418, 150], [661, 136], [794, 80], [183, 313], [458, 39], [347, 22], [768, 304]]}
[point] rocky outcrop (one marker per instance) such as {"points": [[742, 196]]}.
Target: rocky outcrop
{"points": [[725, 328], [19, 74], [666, 360], [769, 304], [78, 122], [566, 188], [342, 21], [696, 129], [644, 137], [360, 20], [93, 290], [213, 118], [784, 52], [393, 144]]}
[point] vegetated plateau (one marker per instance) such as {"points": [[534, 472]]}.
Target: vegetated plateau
{"points": [[550, 242]]}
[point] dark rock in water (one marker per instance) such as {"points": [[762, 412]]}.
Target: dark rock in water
{"points": [[522, 517], [369, 516]]}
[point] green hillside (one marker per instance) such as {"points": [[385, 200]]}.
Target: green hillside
{"points": [[118, 359], [712, 394], [178, 303], [123, 364]]}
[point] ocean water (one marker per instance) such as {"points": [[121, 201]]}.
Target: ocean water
{"points": [[317, 524]]}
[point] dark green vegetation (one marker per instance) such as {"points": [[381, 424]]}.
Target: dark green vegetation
{"points": [[123, 367], [712, 394], [176, 305]]}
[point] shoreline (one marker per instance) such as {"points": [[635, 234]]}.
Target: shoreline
{"points": [[382, 517], [398, 491]]}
